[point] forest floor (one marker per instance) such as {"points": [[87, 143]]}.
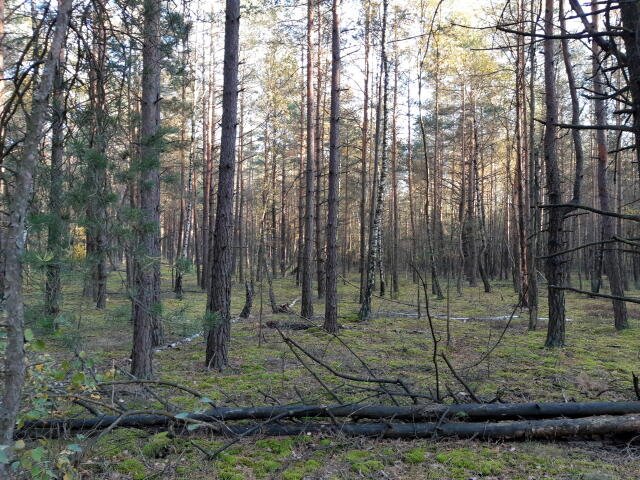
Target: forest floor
{"points": [[597, 364]]}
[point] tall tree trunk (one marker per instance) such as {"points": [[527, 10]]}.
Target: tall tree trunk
{"points": [[364, 154], [56, 225], [97, 163], [610, 257], [301, 179], [375, 233], [533, 212], [207, 167], [431, 260], [555, 234], [307, 293], [520, 178], [331, 295], [410, 184], [630, 33], [146, 300], [283, 218], [239, 256], [18, 206], [219, 298], [3, 185], [319, 145], [395, 289]]}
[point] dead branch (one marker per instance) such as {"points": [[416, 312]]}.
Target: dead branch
{"points": [[579, 419]]}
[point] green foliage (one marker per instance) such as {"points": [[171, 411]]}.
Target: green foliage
{"points": [[43, 460], [211, 320], [183, 265]]}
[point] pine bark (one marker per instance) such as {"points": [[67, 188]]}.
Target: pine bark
{"points": [[96, 169], [219, 298], [331, 294], [146, 299], [319, 143], [307, 293], [395, 288], [364, 154], [610, 256], [18, 206], [555, 234], [56, 225]]}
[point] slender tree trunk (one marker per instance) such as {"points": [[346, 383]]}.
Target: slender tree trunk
{"points": [[3, 185], [97, 163], [240, 201], [363, 154], [18, 206], [630, 16], [56, 226], [206, 181], [520, 179], [283, 219], [431, 261], [555, 234], [307, 293], [610, 257], [374, 236], [331, 296], [301, 179], [273, 237], [533, 213], [319, 144], [395, 289], [410, 184], [146, 301], [219, 298], [184, 224]]}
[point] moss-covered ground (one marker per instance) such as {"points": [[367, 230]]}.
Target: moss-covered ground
{"points": [[597, 363]]}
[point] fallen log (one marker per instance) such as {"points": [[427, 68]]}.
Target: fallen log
{"points": [[512, 430], [414, 413], [545, 429], [289, 325]]}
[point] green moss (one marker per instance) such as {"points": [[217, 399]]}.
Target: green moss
{"points": [[228, 459], [132, 467], [275, 445], [119, 441], [362, 461], [415, 455], [294, 473], [298, 472], [157, 446], [463, 460], [263, 467], [229, 473]]}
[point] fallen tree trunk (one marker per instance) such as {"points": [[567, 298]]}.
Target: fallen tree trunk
{"points": [[513, 430], [414, 413]]}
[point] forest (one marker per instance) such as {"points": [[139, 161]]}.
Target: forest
{"points": [[332, 239]]}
